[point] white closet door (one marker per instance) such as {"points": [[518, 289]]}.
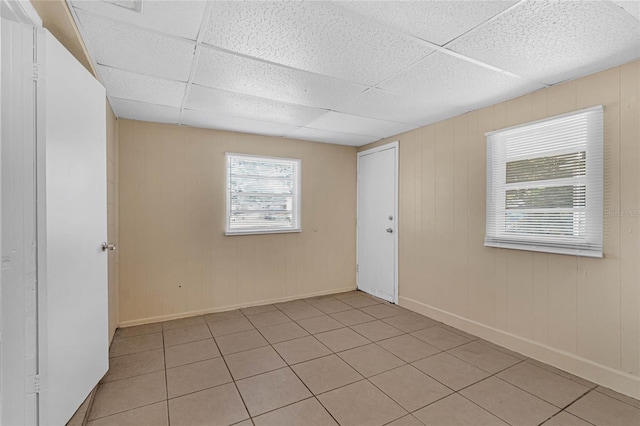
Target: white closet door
{"points": [[77, 353]]}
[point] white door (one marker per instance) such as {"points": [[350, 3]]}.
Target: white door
{"points": [[75, 327], [377, 221]]}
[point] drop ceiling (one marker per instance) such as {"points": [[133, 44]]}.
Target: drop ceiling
{"points": [[344, 72]]}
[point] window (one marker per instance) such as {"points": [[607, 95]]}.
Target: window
{"points": [[263, 194], [544, 185]]}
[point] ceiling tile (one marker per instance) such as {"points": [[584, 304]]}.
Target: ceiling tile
{"points": [[132, 49], [632, 7], [554, 41], [133, 110], [249, 107], [326, 136], [142, 88], [346, 123], [235, 73], [429, 20], [180, 18], [443, 83], [216, 121], [312, 37]]}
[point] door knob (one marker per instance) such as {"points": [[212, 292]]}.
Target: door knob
{"points": [[108, 246], [389, 230]]}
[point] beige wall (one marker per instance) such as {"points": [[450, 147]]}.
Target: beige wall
{"points": [[582, 314], [174, 258]]}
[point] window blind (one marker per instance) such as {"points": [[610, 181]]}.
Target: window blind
{"points": [[545, 185], [263, 194]]}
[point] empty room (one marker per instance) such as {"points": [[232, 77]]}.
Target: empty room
{"points": [[310, 213]]}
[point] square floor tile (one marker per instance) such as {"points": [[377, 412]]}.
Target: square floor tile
{"points": [[342, 339], [319, 324], [410, 322], [307, 412], [197, 376], [619, 396], [238, 342], [348, 294], [332, 306], [282, 332], [138, 330], [327, 373], [230, 326], [222, 403], [178, 336], [450, 370], [191, 352], [183, 323], [272, 390], [440, 338], [134, 365], [542, 383], [408, 348], [376, 330], [302, 349], [221, 316], [566, 375], [360, 404], [484, 357], [154, 414], [502, 349], [409, 387], [268, 318], [301, 311], [565, 419], [359, 301], [123, 395], [511, 404], [253, 310], [458, 331], [370, 360], [381, 311], [405, 421], [602, 410], [254, 361], [456, 410], [131, 345], [352, 317]]}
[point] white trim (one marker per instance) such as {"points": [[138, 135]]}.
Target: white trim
{"points": [[617, 380], [159, 318], [396, 147]]}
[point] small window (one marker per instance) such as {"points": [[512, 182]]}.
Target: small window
{"points": [[263, 195], [544, 185]]}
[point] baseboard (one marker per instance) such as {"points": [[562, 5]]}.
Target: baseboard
{"points": [[161, 318], [617, 380]]}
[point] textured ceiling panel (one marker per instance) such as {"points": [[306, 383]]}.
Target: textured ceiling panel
{"points": [[327, 136], [249, 107], [180, 18], [346, 123], [125, 47], [632, 7], [142, 88], [436, 21], [449, 84], [235, 73], [312, 37], [210, 120], [554, 41], [133, 110]]}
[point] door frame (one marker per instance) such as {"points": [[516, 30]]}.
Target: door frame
{"points": [[396, 147]]}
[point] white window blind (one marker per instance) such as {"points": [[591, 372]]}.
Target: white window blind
{"points": [[263, 194], [544, 185]]}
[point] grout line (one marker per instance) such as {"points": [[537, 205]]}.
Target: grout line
{"points": [[166, 379]]}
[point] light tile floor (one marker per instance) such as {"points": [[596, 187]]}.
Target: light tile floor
{"points": [[347, 359]]}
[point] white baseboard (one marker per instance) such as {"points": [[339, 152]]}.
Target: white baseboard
{"points": [[617, 380], [213, 310]]}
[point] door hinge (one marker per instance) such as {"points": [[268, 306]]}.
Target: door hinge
{"points": [[36, 384], [35, 72], [357, 268]]}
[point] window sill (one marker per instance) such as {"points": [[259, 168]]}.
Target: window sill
{"points": [[231, 233], [545, 249]]}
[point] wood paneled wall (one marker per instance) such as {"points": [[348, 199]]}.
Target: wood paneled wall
{"points": [[582, 314], [174, 257]]}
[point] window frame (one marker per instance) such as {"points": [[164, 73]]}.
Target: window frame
{"points": [[589, 245], [297, 196]]}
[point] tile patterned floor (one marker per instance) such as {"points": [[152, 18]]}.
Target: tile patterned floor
{"points": [[347, 359]]}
